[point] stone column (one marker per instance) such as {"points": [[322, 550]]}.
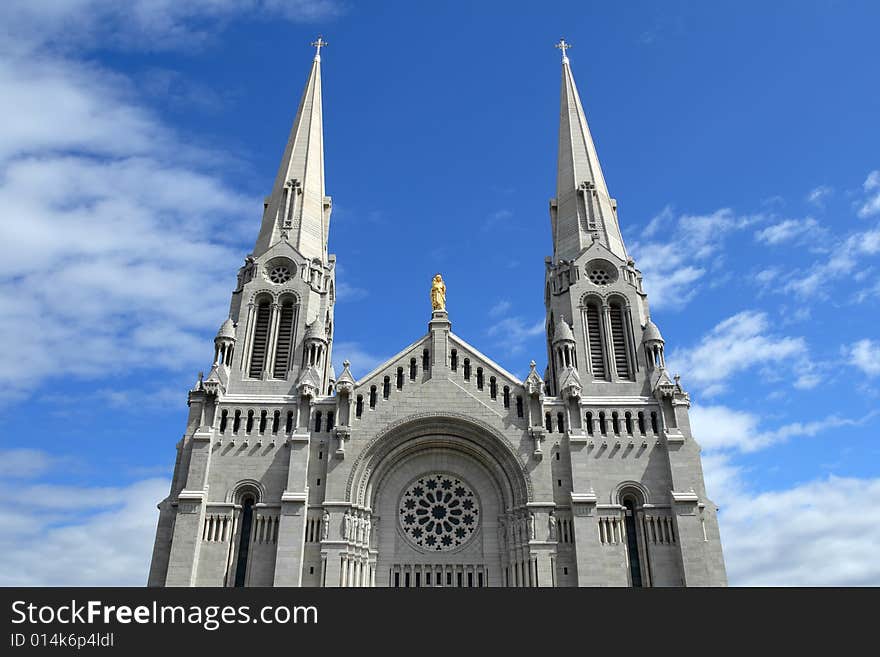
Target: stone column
{"points": [[186, 540], [292, 524]]}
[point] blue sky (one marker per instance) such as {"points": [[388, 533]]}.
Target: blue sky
{"points": [[740, 140]]}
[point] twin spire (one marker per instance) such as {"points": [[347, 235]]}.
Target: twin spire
{"points": [[583, 208], [299, 211]]}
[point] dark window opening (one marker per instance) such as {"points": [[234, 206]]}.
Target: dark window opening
{"points": [[244, 540]]}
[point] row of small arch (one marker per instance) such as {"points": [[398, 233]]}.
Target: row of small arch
{"points": [[602, 421]]}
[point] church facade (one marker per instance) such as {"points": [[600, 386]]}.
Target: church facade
{"points": [[439, 467]]}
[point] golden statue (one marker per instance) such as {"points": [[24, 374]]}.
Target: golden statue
{"points": [[438, 293]]}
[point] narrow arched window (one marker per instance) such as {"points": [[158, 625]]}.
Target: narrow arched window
{"points": [[244, 539], [236, 421], [654, 427], [276, 421], [412, 369], [493, 388], [560, 422], [261, 339], [631, 505], [615, 423], [629, 422], [594, 340], [519, 406], [453, 360], [602, 428], [386, 387], [619, 339], [372, 396], [359, 406], [288, 426], [224, 416], [641, 423], [330, 424], [467, 369], [284, 344], [263, 419], [399, 378], [589, 420], [548, 422], [426, 359], [479, 378], [250, 422], [506, 397], [318, 420]]}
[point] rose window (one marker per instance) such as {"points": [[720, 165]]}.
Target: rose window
{"points": [[279, 274], [439, 512], [599, 276]]}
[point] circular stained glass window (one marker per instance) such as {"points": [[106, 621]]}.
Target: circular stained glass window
{"points": [[599, 277], [279, 274], [439, 512]]}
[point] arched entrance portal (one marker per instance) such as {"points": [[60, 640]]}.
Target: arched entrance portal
{"points": [[448, 499]]}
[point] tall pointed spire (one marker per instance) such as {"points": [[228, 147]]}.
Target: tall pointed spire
{"points": [[582, 207], [298, 209]]}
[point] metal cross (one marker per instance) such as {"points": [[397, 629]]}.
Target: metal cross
{"points": [[563, 46], [320, 43]]}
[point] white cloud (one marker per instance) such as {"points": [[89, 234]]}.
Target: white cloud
{"points": [[144, 24], [797, 536], [871, 205], [362, 361], [818, 195], [720, 428], [865, 354], [845, 256], [72, 535], [514, 333], [24, 462], [791, 537], [117, 236], [790, 230], [735, 345], [500, 308], [674, 267]]}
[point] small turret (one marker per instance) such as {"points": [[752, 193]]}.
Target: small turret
{"points": [[653, 342], [224, 343]]}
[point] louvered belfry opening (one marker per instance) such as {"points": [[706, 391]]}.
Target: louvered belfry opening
{"points": [[594, 336], [261, 339], [618, 339], [284, 347]]}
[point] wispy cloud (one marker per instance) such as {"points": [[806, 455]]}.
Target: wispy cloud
{"points": [[818, 195], [737, 344], [790, 230], [871, 205], [865, 354], [146, 24], [513, 333], [674, 266], [496, 218]]}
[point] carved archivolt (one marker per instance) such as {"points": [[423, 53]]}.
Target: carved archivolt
{"points": [[449, 430]]}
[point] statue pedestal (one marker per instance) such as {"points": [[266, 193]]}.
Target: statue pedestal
{"points": [[439, 328]]}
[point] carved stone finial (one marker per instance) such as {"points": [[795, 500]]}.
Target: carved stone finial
{"points": [[346, 363]]}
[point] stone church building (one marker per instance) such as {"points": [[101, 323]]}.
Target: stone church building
{"points": [[440, 467]]}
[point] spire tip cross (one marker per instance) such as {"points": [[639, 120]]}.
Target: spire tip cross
{"points": [[320, 43], [563, 45]]}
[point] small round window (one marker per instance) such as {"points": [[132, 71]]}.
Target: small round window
{"points": [[279, 274], [601, 273]]}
